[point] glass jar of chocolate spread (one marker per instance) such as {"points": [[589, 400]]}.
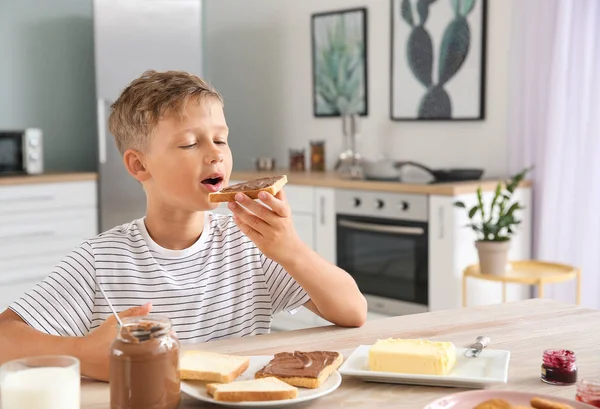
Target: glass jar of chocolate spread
{"points": [[144, 365], [559, 367]]}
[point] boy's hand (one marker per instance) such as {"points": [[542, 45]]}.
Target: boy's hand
{"points": [[272, 230], [95, 347]]}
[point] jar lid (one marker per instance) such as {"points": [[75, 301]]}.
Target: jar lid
{"points": [[560, 354], [139, 329]]}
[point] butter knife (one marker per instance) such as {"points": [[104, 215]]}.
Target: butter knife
{"points": [[474, 350]]}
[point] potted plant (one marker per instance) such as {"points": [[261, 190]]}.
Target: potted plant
{"points": [[495, 224]]}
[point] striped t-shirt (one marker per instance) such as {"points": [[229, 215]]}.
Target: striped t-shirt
{"points": [[222, 286]]}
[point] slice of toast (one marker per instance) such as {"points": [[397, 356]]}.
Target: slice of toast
{"points": [[264, 389], [211, 367], [251, 188], [295, 373], [540, 403]]}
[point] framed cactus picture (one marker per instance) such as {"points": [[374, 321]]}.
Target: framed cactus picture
{"points": [[438, 59], [339, 57]]}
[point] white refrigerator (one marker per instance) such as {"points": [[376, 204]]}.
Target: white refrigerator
{"points": [[130, 37]]}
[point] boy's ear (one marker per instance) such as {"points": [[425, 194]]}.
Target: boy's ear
{"points": [[134, 163]]}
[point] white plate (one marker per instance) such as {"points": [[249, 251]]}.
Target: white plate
{"points": [[197, 389], [490, 367]]}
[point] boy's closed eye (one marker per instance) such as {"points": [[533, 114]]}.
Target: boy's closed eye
{"points": [[192, 145]]}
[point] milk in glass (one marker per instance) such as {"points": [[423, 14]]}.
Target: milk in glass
{"points": [[41, 388]]}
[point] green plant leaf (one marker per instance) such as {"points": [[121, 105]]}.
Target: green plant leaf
{"points": [[423, 11], [419, 53], [456, 6], [466, 7], [459, 204], [454, 49], [511, 209], [473, 212], [406, 12], [480, 202]]}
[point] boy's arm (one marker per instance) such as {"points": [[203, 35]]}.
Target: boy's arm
{"points": [[333, 292], [19, 340]]}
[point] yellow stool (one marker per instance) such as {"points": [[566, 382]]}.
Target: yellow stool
{"points": [[531, 272]]}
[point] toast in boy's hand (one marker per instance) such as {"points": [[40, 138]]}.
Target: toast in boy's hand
{"points": [[251, 188], [253, 390], [302, 369], [212, 367]]}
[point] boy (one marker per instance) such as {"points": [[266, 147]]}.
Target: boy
{"points": [[214, 276]]}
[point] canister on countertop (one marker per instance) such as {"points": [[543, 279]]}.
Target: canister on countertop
{"points": [[297, 160], [317, 156]]}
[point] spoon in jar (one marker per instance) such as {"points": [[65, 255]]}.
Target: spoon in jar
{"points": [[110, 306]]}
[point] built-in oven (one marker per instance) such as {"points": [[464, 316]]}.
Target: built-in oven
{"points": [[382, 242]]}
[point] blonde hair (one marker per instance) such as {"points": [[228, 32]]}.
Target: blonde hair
{"points": [[136, 112]]}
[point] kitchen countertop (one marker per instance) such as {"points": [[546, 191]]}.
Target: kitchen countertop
{"points": [[525, 328], [50, 177], [332, 179]]}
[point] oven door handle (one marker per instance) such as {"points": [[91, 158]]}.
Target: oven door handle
{"points": [[377, 228]]}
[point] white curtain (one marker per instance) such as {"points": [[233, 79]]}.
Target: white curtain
{"points": [[554, 124]]}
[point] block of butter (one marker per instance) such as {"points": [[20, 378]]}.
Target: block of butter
{"points": [[412, 356]]}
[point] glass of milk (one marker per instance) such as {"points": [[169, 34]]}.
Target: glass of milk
{"points": [[43, 382]]}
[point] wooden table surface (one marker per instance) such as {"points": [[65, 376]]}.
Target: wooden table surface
{"points": [[525, 328]]}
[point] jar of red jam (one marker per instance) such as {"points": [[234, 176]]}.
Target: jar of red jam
{"points": [[559, 367], [588, 391]]}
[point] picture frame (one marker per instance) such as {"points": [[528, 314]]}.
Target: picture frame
{"points": [[438, 60], [339, 39]]}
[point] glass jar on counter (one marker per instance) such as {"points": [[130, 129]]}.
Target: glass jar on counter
{"points": [[559, 367], [588, 391], [297, 160], [317, 156], [144, 365]]}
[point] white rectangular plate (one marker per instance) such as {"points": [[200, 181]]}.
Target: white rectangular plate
{"points": [[490, 367]]}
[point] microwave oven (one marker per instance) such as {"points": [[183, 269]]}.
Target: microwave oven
{"points": [[21, 152]]}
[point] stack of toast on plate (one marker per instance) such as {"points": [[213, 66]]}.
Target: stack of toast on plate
{"points": [[277, 380]]}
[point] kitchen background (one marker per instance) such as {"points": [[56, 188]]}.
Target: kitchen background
{"points": [[48, 51], [258, 54]]}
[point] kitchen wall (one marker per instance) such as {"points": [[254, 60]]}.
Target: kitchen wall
{"points": [[258, 54], [47, 77]]}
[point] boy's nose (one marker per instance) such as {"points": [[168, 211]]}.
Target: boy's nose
{"points": [[214, 157]]}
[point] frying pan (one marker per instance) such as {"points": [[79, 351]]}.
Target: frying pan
{"points": [[447, 175]]}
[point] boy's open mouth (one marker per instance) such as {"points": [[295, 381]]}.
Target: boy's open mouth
{"points": [[212, 181], [213, 184]]}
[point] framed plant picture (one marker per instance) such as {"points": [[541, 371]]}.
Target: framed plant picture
{"points": [[438, 59], [339, 57]]}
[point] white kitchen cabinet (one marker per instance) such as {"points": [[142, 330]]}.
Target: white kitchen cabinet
{"points": [[452, 248], [39, 225], [325, 224], [304, 225]]}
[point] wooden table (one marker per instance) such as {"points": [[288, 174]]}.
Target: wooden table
{"points": [[525, 328]]}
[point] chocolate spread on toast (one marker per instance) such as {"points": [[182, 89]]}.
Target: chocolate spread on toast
{"points": [[254, 184], [299, 364]]}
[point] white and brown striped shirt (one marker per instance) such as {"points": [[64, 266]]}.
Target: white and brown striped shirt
{"points": [[222, 286]]}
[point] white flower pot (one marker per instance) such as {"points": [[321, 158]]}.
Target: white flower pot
{"points": [[493, 256]]}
